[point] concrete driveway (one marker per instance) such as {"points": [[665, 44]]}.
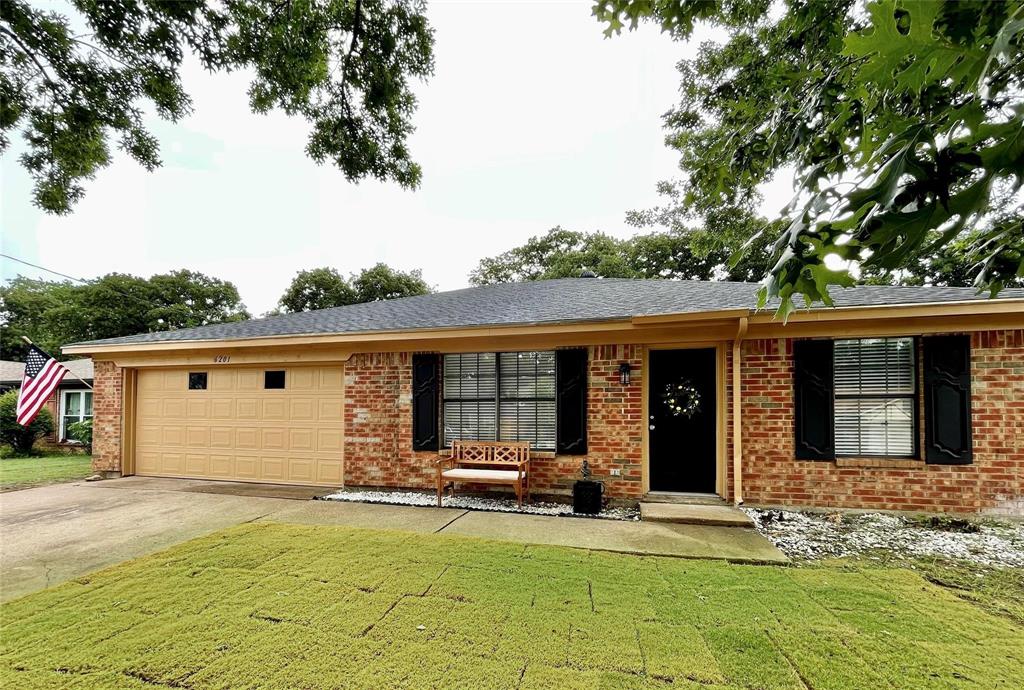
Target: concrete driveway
{"points": [[59, 532], [55, 533]]}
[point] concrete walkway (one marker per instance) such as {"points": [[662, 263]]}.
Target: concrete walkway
{"points": [[55, 533]]}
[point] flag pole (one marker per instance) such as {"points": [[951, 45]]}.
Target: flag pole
{"points": [[25, 338]]}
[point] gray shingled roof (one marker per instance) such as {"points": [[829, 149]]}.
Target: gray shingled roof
{"points": [[14, 372], [566, 300]]}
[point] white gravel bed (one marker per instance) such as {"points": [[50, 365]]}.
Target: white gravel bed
{"points": [[497, 505], [819, 535]]}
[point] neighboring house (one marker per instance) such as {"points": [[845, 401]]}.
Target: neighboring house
{"points": [[908, 398], [71, 402]]}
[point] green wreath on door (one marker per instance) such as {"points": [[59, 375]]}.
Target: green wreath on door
{"points": [[681, 398]]}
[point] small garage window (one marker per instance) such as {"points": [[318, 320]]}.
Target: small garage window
{"points": [[197, 380], [273, 379]]}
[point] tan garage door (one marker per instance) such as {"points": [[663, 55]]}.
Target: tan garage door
{"points": [[236, 429]]}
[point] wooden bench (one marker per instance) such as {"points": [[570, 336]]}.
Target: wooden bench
{"points": [[486, 462]]}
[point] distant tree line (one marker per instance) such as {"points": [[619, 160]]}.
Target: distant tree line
{"points": [[54, 313], [673, 254], [322, 288]]}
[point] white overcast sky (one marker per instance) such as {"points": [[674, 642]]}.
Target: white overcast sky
{"points": [[533, 119]]}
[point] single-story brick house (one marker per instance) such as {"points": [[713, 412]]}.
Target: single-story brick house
{"points": [[908, 398], [71, 402]]}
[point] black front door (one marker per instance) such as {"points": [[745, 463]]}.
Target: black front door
{"points": [[681, 419]]}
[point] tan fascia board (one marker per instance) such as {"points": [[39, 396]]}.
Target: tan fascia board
{"points": [[353, 339], [918, 319], [882, 327], [897, 311], [761, 316], [709, 334]]}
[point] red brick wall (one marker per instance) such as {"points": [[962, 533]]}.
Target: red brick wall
{"points": [[614, 429], [106, 420], [378, 427], [378, 424], [994, 483]]}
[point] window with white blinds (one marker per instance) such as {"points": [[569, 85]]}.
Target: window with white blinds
{"points": [[507, 396], [526, 405], [470, 397], [875, 395]]}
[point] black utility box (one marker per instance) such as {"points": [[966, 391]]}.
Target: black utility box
{"points": [[586, 497]]}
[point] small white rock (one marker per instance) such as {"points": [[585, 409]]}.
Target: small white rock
{"points": [[501, 505], [814, 536]]}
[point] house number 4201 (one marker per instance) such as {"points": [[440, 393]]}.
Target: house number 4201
{"points": [[222, 359]]}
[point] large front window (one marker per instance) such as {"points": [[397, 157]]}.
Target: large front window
{"points": [[76, 406], [505, 396], [875, 395]]}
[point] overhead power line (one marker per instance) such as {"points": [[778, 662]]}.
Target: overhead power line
{"points": [[140, 300], [43, 268]]}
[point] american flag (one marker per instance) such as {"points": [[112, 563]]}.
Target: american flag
{"points": [[42, 375]]}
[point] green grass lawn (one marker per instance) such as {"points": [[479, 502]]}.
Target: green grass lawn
{"points": [[287, 606], [998, 590], [21, 473]]}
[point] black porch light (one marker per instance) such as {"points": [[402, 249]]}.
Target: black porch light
{"points": [[624, 373]]}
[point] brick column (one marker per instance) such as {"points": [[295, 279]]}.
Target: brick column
{"points": [[106, 420]]}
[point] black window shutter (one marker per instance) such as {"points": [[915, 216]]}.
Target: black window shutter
{"points": [[426, 381], [947, 399], [571, 386], [813, 387]]}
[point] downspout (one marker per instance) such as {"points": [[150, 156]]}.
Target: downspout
{"points": [[737, 420]]}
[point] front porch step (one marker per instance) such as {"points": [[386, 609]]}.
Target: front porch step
{"points": [[695, 514], [686, 499]]}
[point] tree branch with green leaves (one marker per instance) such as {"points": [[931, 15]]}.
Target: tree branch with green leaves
{"points": [[904, 121], [346, 66]]}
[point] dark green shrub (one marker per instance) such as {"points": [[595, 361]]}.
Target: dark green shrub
{"points": [[21, 439]]}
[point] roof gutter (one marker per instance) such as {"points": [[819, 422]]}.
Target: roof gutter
{"points": [[1004, 305], [689, 317]]}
